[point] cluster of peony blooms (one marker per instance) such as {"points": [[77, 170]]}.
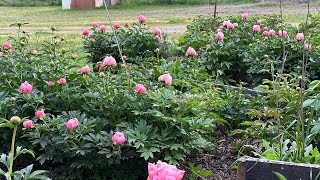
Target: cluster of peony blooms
{"points": [[164, 171], [191, 52], [157, 33]]}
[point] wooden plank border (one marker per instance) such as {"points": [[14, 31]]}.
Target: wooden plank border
{"points": [[261, 169]]}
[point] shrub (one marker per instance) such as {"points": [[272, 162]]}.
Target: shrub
{"points": [[136, 42]]}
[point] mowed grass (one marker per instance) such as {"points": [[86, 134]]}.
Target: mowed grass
{"points": [[172, 19]]}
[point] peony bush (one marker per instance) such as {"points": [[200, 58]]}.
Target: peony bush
{"points": [[120, 114], [135, 39]]}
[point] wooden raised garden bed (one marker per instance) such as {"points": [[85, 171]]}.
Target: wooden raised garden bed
{"points": [[261, 169]]}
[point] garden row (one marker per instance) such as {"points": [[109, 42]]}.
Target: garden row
{"points": [[157, 100]]}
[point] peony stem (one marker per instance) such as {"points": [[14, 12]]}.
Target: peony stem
{"points": [[12, 150]]}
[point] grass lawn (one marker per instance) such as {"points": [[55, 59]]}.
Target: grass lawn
{"points": [[170, 18]]}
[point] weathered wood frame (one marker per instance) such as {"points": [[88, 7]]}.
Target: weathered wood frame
{"points": [[261, 169]]}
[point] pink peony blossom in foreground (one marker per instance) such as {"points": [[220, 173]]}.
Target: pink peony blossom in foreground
{"points": [[229, 25], [74, 55], [25, 88], [34, 52], [191, 52], [140, 88], [244, 15], [95, 24], [103, 28], [282, 33], [164, 171], [157, 38], [157, 31], [92, 40], [72, 123], [166, 78], [299, 37], [50, 83], [40, 114], [27, 124], [6, 46], [116, 25], [85, 32], [126, 23], [256, 28], [219, 30], [265, 33], [85, 70], [62, 81], [118, 138], [142, 19], [272, 32], [259, 21], [225, 23], [307, 47], [108, 61], [266, 29], [220, 36]]}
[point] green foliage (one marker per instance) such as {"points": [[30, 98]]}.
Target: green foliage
{"points": [[198, 171], [164, 123], [136, 43], [245, 56]]}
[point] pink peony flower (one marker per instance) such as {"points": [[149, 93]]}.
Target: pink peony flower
{"points": [[1, 53], [15, 119], [92, 40], [109, 61], [103, 28], [62, 81], [299, 37], [118, 138], [140, 88], [6, 46], [164, 171], [259, 21], [266, 29], [95, 25], [142, 19], [265, 33], [221, 27], [157, 38], [244, 15], [256, 28], [116, 25], [282, 33], [157, 31], [126, 23], [72, 123], [307, 47], [219, 30], [85, 32], [25, 88], [272, 32], [40, 114], [85, 70], [220, 36], [191, 52], [166, 78], [34, 52], [230, 25], [235, 24], [225, 23], [50, 83], [27, 124], [74, 55]]}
